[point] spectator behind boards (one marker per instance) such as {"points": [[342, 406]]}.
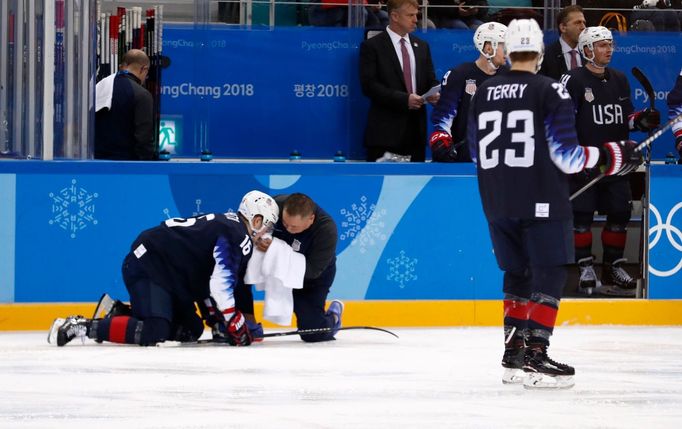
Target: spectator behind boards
{"points": [[395, 70], [125, 130]]}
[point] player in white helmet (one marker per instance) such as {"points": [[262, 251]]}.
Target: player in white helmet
{"points": [[522, 135], [457, 87], [171, 267], [604, 112], [675, 109]]}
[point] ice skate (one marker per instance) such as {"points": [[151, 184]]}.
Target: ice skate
{"points": [[109, 307], [65, 330], [588, 278], [544, 373], [512, 361], [336, 308], [617, 281]]}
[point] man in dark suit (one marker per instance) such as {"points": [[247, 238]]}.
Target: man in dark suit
{"points": [[395, 68], [562, 55]]}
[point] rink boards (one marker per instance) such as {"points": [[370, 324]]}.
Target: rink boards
{"points": [[413, 244]]}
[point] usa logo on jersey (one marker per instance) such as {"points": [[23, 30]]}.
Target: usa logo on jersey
{"points": [[589, 96], [470, 87]]}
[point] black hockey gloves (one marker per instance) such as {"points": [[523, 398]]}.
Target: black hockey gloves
{"points": [[646, 120], [442, 149], [619, 158], [233, 331]]}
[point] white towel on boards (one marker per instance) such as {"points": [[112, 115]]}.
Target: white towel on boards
{"points": [[277, 272], [104, 92]]}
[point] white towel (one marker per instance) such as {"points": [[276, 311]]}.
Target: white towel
{"points": [[104, 92], [277, 272]]}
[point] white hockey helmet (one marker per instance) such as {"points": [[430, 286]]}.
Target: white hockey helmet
{"points": [[591, 35], [256, 203], [492, 32], [524, 35]]}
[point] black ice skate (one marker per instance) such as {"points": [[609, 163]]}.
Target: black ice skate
{"points": [[544, 373], [512, 360], [65, 330], [617, 281], [588, 278], [108, 307]]}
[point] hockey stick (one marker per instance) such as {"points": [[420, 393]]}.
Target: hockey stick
{"points": [[646, 84], [645, 143], [299, 332]]}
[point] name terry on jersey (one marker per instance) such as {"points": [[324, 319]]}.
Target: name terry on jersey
{"points": [[508, 90]]}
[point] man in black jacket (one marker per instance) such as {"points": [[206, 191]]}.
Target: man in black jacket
{"points": [[562, 55], [126, 130], [395, 70]]}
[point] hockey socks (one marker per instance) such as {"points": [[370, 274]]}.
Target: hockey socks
{"points": [[117, 329]]}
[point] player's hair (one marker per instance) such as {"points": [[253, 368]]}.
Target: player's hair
{"points": [[562, 16], [522, 56], [392, 5], [135, 56], [299, 205]]}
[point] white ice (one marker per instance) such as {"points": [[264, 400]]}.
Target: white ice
{"points": [[626, 377]]}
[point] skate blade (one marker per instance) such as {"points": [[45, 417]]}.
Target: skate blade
{"points": [[52, 334], [543, 381], [513, 376], [104, 306]]}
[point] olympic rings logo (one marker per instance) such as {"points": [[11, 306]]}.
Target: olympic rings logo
{"points": [[671, 231]]}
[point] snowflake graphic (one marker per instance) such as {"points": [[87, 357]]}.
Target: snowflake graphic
{"points": [[363, 224], [402, 269], [73, 208]]}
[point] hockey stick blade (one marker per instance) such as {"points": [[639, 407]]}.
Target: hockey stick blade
{"points": [[646, 84], [645, 143]]}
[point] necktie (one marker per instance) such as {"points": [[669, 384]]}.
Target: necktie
{"points": [[407, 68], [574, 59]]}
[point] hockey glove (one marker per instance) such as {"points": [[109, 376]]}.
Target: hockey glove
{"points": [[678, 145], [442, 149], [209, 312], [233, 331], [620, 158], [646, 120]]}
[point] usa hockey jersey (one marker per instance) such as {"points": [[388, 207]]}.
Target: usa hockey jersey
{"points": [[196, 257], [675, 106], [450, 113], [602, 105], [522, 134]]}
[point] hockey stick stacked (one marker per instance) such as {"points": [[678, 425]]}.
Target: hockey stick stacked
{"points": [[645, 143]]}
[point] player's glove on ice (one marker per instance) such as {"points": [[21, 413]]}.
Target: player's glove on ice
{"points": [[442, 149], [646, 120], [233, 331], [620, 158]]}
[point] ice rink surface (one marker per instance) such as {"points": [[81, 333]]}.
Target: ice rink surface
{"points": [[626, 377]]}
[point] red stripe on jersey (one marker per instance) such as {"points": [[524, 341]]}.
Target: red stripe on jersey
{"points": [[583, 239], [117, 330], [543, 314], [613, 239], [516, 309]]}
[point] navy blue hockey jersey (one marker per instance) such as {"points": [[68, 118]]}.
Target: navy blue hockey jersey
{"points": [[450, 113], [196, 257], [602, 105], [522, 134], [675, 105]]}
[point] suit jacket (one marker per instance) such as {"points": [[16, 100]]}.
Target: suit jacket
{"points": [[553, 65], [381, 78]]}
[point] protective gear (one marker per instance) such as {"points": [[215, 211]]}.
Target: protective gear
{"points": [[587, 39], [543, 372], [209, 312], [257, 203], [588, 278], [492, 32], [678, 144], [336, 310], [442, 149], [645, 120], [234, 331], [524, 35], [65, 330], [620, 158]]}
